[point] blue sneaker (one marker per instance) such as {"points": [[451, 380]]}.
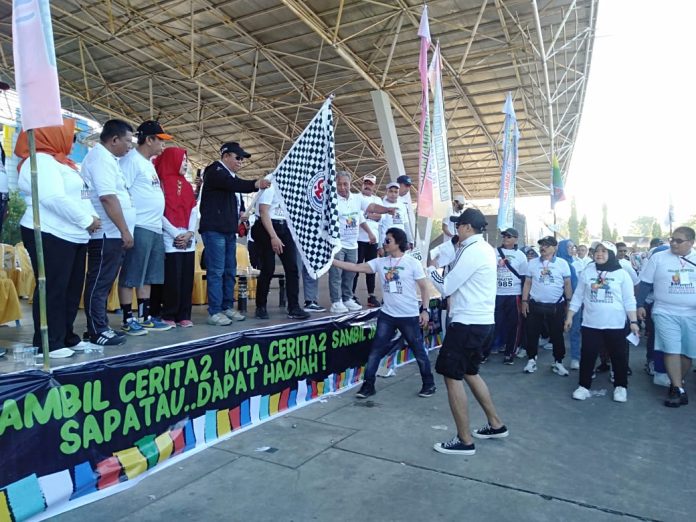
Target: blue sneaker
{"points": [[133, 327], [155, 325]]}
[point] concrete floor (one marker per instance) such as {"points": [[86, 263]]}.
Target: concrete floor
{"points": [[343, 458]]}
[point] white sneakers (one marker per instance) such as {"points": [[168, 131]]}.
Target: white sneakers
{"points": [[233, 314], [338, 308], [620, 394], [531, 366], [521, 353], [559, 369], [662, 379], [219, 319], [352, 306], [581, 394], [574, 364]]}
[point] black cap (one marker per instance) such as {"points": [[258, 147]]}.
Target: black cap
{"points": [[470, 216], [152, 128], [548, 240], [405, 180], [234, 148], [510, 232]]}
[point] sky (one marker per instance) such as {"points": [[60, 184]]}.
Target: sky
{"points": [[632, 146]]}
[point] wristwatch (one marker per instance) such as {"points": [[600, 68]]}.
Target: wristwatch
{"points": [[634, 322]]}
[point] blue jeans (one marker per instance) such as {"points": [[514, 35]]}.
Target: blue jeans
{"points": [[310, 286], [575, 335], [381, 345], [221, 263]]}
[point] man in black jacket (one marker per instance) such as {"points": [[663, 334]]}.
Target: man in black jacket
{"points": [[221, 204]]}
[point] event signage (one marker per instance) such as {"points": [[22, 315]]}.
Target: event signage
{"points": [[86, 427]]}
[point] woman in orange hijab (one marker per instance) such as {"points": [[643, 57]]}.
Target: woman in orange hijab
{"points": [[67, 219]]}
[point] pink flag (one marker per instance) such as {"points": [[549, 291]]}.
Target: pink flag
{"points": [[425, 182], [36, 74]]}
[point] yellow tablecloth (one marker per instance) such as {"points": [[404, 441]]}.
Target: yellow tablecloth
{"points": [[9, 302]]}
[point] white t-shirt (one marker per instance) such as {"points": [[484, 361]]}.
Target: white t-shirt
{"points": [[509, 283], [64, 199], [398, 220], [398, 277], [350, 216], [144, 187], [606, 297], [269, 197], [101, 171], [547, 279], [674, 283], [628, 267], [451, 227], [579, 266], [374, 225]]}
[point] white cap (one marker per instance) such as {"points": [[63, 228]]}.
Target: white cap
{"points": [[371, 178], [608, 245], [459, 198]]}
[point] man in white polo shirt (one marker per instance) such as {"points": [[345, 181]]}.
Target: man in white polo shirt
{"points": [[272, 237], [367, 250], [546, 292], [671, 275], [143, 264], [449, 227], [400, 217], [351, 216], [106, 248]]}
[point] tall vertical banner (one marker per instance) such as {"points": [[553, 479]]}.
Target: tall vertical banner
{"points": [[36, 74], [508, 178], [306, 180], [557, 192], [439, 160], [425, 182]]}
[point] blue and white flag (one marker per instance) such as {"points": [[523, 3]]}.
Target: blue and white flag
{"points": [[508, 178], [306, 182]]}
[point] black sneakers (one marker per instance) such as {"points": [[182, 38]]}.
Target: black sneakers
{"points": [[372, 302], [313, 306], [261, 312], [676, 398], [488, 432], [427, 391], [298, 313], [108, 338], [366, 390], [455, 446], [509, 360]]}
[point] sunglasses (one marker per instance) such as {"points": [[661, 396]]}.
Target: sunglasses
{"points": [[239, 158], [677, 240], [507, 236]]}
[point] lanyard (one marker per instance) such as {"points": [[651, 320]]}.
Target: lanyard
{"points": [[601, 277]]}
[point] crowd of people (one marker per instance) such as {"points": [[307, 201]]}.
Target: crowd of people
{"points": [[131, 213]]}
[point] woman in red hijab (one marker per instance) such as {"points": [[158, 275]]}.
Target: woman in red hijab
{"points": [[179, 226], [67, 219]]}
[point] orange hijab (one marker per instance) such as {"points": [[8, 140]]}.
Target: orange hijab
{"points": [[56, 141]]}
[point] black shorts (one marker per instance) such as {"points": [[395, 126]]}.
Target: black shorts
{"points": [[462, 349]]}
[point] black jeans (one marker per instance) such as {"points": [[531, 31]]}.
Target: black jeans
{"points": [[554, 318], [178, 286], [267, 263], [64, 266], [595, 341], [507, 323], [366, 252], [104, 257]]}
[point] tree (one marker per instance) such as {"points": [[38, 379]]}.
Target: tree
{"points": [[583, 234], [656, 230], [691, 222], [10, 230], [606, 231], [614, 235], [642, 225], [573, 225]]}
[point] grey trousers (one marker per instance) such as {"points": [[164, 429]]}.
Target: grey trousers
{"points": [[341, 281]]}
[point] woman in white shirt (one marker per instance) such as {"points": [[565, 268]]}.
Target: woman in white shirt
{"points": [[67, 220], [178, 226], [606, 292]]}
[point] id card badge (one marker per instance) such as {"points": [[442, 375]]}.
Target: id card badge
{"points": [[392, 287], [601, 294], [684, 278]]}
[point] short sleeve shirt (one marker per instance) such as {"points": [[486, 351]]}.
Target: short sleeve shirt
{"points": [[145, 189], [398, 278], [547, 279], [350, 216], [509, 283], [101, 172], [374, 225], [269, 197], [674, 283]]}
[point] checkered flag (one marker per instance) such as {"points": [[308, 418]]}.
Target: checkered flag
{"points": [[306, 181]]}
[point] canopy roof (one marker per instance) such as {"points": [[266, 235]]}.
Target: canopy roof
{"points": [[256, 71]]}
